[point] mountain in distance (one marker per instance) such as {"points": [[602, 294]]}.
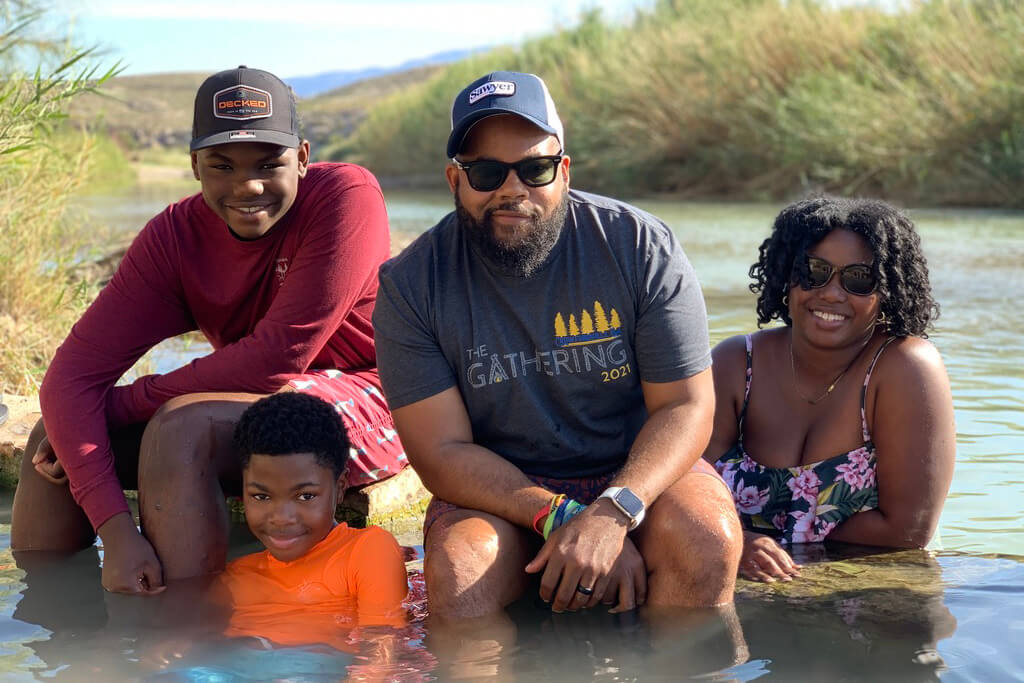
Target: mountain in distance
{"points": [[308, 86]]}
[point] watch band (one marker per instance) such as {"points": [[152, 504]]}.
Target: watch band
{"points": [[628, 503]]}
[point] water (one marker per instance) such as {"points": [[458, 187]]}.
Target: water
{"points": [[953, 614]]}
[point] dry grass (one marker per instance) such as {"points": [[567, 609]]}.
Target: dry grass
{"points": [[39, 299]]}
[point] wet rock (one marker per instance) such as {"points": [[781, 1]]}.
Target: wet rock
{"points": [[22, 415]]}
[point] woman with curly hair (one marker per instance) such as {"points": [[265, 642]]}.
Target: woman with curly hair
{"points": [[847, 431]]}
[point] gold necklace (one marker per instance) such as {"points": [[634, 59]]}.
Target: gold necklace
{"points": [[832, 385]]}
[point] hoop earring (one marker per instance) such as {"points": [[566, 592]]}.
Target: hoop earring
{"points": [[785, 300], [882, 320]]}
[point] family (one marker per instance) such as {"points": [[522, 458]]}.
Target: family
{"points": [[540, 357]]}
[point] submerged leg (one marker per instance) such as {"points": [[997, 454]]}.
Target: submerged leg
{"points": [[691, 543], [473, 564], [186, 468]]}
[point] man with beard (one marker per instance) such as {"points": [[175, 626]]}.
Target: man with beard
{"points": [[545, 355]]}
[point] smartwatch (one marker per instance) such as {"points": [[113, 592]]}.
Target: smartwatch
{"points": [[628, 503]]}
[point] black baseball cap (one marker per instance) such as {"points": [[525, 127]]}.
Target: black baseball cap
{"points": [[244, 105], [503, 92]]}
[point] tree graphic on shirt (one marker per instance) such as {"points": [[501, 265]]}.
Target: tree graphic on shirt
{"points": [[560, 330], [600, 320], [586, 323]]}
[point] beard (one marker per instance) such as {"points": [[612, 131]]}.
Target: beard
{"points": [[521, 258]]}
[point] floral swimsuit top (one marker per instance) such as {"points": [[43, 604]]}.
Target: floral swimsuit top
{"points": [[801, 504]]}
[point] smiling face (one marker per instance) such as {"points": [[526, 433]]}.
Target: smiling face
{"points": [[290, 502], [829, 315], [250, 185], [512, 215]]}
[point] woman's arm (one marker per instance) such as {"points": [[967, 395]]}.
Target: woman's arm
{"points": [[914, 433]]}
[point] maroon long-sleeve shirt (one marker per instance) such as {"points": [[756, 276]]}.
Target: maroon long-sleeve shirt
{"points": [[299, 297]]}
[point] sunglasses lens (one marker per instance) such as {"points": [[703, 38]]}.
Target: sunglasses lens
{"points": [[858, 280], [485, 176], [818, 272], [537, 172]]}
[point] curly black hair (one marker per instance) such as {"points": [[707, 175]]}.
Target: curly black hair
{"points": [[899, 264], [289, 422]]}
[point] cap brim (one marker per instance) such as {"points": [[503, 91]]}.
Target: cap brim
{"points": [[459, 133], [244, 135]]}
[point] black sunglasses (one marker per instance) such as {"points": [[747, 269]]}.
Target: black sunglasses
{"points": [[488, 175], [856, 278]]}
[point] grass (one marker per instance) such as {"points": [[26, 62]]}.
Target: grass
{"points": [[760, 99], [42, 165], [39, 297]]}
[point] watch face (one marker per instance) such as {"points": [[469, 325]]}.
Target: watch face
{"points": [[629, 502]]}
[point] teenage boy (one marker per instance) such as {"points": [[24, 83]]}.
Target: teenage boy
{"points": [[275, 262], [293, 456]]}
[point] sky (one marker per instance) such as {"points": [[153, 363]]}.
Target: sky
{"points": [[305, 37]]}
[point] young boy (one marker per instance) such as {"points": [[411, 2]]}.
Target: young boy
{"points": [[315, 575], [275, 262]]}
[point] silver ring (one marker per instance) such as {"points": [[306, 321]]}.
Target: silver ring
{"points": [[584, 590]]}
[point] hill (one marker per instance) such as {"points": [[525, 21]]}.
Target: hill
{"points": [[317, 84], [140, 112], [154, 111]]}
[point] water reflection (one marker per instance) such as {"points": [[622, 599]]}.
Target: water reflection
{"points": [[874, 617], [906, 615]]}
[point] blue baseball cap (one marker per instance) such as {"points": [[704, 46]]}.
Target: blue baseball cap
{"points": [[503, 92]]}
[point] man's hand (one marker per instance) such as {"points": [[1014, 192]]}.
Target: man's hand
{"points": [[129, 563], [765, 560], [46, 463], [584, 554]]}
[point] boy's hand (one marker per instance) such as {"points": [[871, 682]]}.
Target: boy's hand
{"points": [[129, 563], [46, 463]]}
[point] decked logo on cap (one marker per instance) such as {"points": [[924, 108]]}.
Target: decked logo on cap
{"points": [[241, 102], [501, 88]]}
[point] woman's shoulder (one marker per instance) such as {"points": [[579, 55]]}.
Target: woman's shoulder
{"points": [[909, 364], [733, 350]]}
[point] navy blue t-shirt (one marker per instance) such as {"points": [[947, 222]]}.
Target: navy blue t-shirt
{"points": [[549, 366]]}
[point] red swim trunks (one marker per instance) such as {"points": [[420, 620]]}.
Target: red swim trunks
{"points": [[376, 451]]}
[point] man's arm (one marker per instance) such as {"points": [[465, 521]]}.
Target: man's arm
{"points": [[438, 440], [585, 551], [675, 435], [137, 309]]}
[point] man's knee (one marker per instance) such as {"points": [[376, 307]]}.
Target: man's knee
{"points": [[693, 527], [473, 563]]}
